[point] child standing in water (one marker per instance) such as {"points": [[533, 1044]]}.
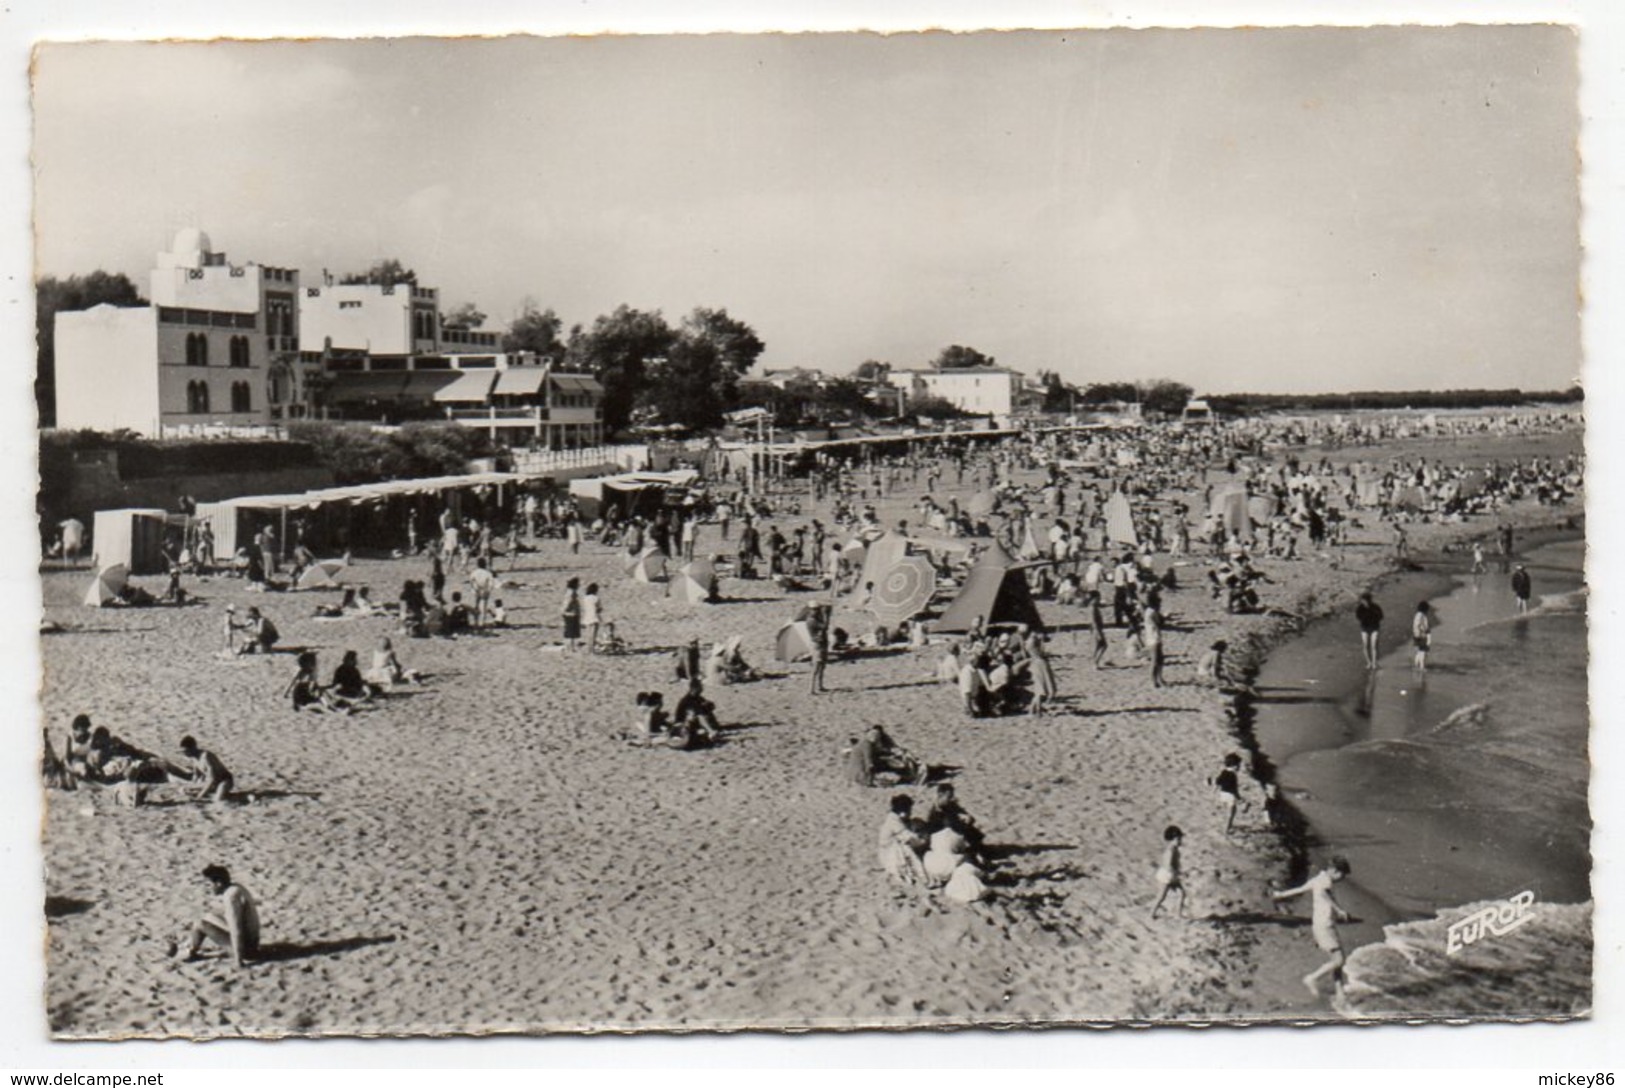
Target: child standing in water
{"points": [[1422, 635], [1168, 875]]}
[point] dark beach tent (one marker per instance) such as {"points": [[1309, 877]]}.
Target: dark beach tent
{"points": [[995, 590]]}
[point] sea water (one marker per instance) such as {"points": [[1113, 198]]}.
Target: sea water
{"points": [[1466, 783]]}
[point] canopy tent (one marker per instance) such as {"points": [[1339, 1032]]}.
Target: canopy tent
{"points": [[133, 539], [794, 642], [904, 590], [882, 554], [1120, 521], [698, 581], [471, 386], [650, 566], [322, 575], [108, 583], [639, 492], [995, 591], [235, 521]]}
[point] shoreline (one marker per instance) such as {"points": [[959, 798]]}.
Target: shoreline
{"points": [[1280, 956]]}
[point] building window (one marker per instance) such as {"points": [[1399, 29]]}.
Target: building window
{"points": [[241, 399], [353, 304], [197, 349], [197, 398], [239, 351]]}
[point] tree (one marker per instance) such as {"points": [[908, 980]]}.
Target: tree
{"points": [[1058, 395], [1110, 392], [53, 296], [1165, 396], [932, 407], [387, 271], [466, 316], [873, 370], [958, 357], [617, 350], [698, 378], [536, 331]]}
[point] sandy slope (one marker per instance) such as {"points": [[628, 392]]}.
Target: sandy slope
{"points": [[480, 855]]}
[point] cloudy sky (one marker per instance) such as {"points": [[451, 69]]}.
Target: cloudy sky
{"points": [[1298, 210]]}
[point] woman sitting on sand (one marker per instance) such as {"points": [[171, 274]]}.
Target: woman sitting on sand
{"points": [[898, 843], [348, 681], [387, 670], [946, 853], [261, 635]]}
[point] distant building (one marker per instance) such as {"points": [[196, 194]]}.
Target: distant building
{"points": [[515, 397], [200, 355], [980, 390]]}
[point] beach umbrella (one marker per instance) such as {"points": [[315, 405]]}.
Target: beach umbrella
{"points": [[904, 590], [1120, 521], [107, 585], [321, 575], [650, 567], [794, 642], [698, 581], [981, 504], [882, 553]]}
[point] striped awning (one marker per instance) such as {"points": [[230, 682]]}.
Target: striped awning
{"points": [[471, 386], [577, 383], [424, 384], [520, 381]]}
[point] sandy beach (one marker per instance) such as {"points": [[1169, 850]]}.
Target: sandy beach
{"points": [[481, 854]]}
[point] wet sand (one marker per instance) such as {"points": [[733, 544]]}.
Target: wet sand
{"points": [[481, 855]]}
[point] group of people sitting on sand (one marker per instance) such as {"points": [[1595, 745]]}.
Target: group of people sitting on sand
{"points": [[351, 688], [94, 756], [997, 674], [945, 851], [690, 725]]}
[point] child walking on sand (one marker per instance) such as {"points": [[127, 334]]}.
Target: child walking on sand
{"points": [[1168, 875]]}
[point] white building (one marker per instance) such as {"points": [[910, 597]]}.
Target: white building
{"points": [[200, 355], [980, 390]]}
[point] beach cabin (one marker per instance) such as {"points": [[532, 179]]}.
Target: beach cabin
{"points": [[1197, 414], [133, 538]]}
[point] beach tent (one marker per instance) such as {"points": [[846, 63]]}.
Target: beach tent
{"points": [[1410, 498], [107, 584], [650, 566], [1472, 484], [1028, 548], [632, 492], [794, 642], [995, 591], [133, 539], [881, 555], [1230, 506], [698, 581], [321, 575], [981, 504], [1120, 521], [1368, 491], [903, 591], [1261, 507]]}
